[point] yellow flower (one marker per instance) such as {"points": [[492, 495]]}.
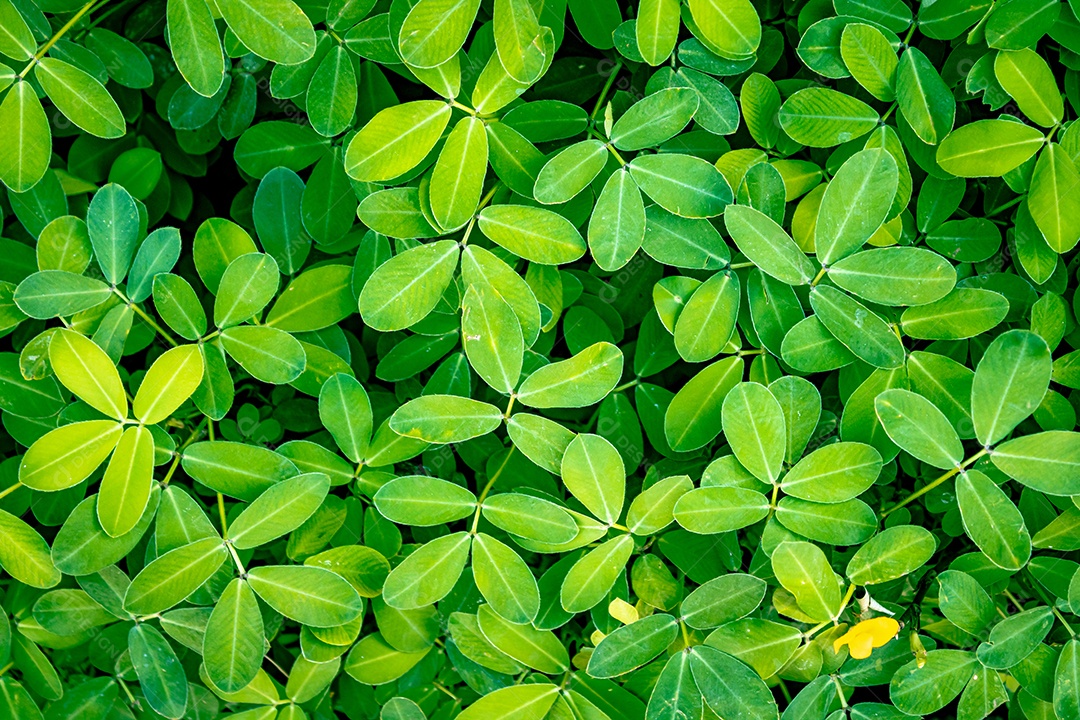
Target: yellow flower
{"points": [[867, 635]]}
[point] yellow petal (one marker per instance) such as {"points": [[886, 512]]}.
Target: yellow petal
{"points": [[861, 646]]}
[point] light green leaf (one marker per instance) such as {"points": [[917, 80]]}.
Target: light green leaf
{"points": [[309, 595], [407, 287], [80, 97], [443, 419], [397, 139], [1009, 383], [277, 30], [593, 471]]}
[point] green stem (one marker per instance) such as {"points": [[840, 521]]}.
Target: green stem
{"points": [[146, 318], [179, 453], [627, 385], [739, 266], [927, 488], [221, 513], [604, 91], [11, 489], [839, 691], [818, 277], [1002, 208], [59, 34], [487, 488]]}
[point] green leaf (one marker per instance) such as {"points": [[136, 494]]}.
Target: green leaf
{"points": [[24, 554], [722, 600], [655, 118], [247, 286], [870, 59], [653, 510], [309, 595], [24, 157], [964, 602], [592, 577], [1016, 637], [434, 30], [580, 381], [443, 419], [1066, 693], [345, 411], [1030, 82], [233, 643], [492, 338], [537, 649], [1054, 200], [693, 417], [834, 473], [458, 179], [235, 469], [318, 298], [861, 330], [617, 225], [683, 185], [159, 671], [992, 521], [820, 117], [168, 383], [429, 573], [172, 577], [895, 276], [424, 501], [535, 234], [282, 508], [1047, 461], [56, 293], [126, 486], [84, 369], [633, 645], [919, 427], [517, 40], [396, 140], [892, 553], [656, 29], [593, 472], [195, 45], [522, 702], [675, 694], [707, 321], [332, 94], [925, 100], [529, 517], [755, 428], [926, 685], [713, 510], [541, 440], [569, 172], [964, 312], [988, 148], [407, 287], [730, 29], [1009, 384], [277, 30], [504, 580], [113, 223], [856, 203], [767, 245], [80, 97], [730, 688], [268, 354], [803, 570]]}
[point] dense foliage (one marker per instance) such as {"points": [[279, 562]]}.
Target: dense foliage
{"points": [[527, 359]]}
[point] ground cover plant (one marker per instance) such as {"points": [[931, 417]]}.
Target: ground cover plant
{"points": [[526, 359]]}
